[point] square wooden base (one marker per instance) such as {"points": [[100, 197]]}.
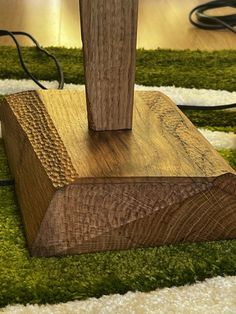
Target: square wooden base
{"points": [[85, 191]]}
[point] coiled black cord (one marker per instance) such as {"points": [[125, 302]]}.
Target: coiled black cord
{"points": [[210, 22], [59, 69]]}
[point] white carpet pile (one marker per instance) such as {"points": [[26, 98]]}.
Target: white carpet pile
{"points": [[213, 296], [181, 96]]}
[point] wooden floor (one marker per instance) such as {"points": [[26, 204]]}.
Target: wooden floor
{"points": [[162, 23]]}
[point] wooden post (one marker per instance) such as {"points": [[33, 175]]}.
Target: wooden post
{"points": [[109, 29]]}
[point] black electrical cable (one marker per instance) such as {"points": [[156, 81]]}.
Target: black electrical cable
{"points": [[220, 107], [59, 69], [211, 22], [6, 182]]}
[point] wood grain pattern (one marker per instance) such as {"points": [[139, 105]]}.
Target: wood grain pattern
{"points": [[119, 216], [109, 31], [170, 144], [28, 173], [162, 23], [86, 191]]}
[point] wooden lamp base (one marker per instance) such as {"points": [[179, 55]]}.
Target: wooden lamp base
{"points": [[85, 191]]}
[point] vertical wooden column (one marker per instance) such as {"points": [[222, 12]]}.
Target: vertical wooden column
{"points": [[109, 31]]}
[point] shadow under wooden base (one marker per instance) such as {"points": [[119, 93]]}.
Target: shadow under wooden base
{"points": [[85, 191]]}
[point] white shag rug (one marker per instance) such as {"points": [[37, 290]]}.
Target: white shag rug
{"points": [[181, 96], [213, 296]]}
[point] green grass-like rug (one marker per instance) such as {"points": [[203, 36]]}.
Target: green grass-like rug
{"points": [[212, 70], [50, 280]]}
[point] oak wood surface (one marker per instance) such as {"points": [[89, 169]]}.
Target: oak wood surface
{"points": [[28, 174], [170, 144], [85, 191], [120, 216], [109, 31]]}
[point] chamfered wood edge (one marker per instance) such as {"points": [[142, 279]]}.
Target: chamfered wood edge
{"points": [[163, 112], [11, 114], [183, 129], [28, 172], [36, 123], [162, 213]]}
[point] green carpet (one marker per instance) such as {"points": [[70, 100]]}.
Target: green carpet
{"points": [[50, 280], [213, 70]]}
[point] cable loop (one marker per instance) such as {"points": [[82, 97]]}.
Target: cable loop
{"points": [[59, 69], [210, 22]]}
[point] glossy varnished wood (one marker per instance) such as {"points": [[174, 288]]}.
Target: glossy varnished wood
{"points": [[85, 191], [161, 132], [162, 23]]}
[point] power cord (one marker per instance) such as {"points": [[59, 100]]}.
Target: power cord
{"points": [[211, 22], [8, 182], [58, 66], [220, 107]]}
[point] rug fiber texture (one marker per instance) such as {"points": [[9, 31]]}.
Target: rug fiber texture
{"points": [[24, 279]]}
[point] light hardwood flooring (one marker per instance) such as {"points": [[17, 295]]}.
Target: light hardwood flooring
{"points": [[162, 23]]}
